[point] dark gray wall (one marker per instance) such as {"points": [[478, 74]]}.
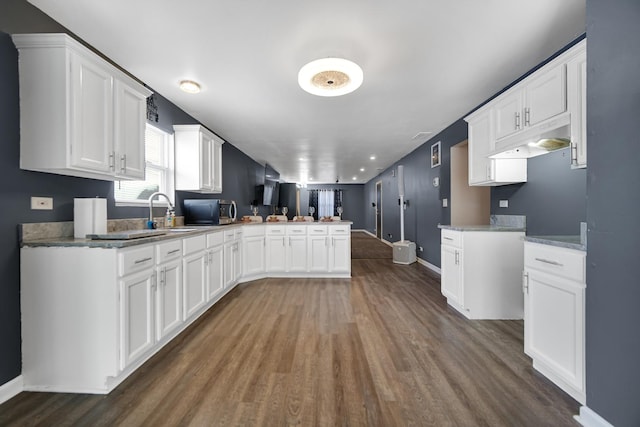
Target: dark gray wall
{"points": [[240, 175], [553, 198], [424, 211], [613, 179]]}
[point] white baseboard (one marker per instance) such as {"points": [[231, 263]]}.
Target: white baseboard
{"points": [[589, 418], [11, 389], [430, 266]]}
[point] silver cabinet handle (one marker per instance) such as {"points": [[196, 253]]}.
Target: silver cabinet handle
{"points": [[525, 282], [112, 160], [546, 261], [517, 120], [527, 116], [140, 261], [123, 163], [574, 153], [447, 238], [457, 259], [289, 241], [173, 251], [154, 280], [163, 276]]}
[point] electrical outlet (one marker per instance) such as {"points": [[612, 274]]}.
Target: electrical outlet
{"points": [[445, 203], [420, 248], [42, 203], [504, 203], [390, 235]]}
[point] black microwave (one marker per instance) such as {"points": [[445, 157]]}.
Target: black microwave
{"points": [[209, 211]]}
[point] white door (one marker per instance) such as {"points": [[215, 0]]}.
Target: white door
{"points": [[554, 325], [194, 274], [130, 118], [215, 277], [546, 96], [253, 256], [451, 277], [229, 264], [318, 253], [237, 260], [136, 316], [276, 254], [169, 298], [92, 113], [296, 254], [480, 142], [508, 114], [340, 254]]}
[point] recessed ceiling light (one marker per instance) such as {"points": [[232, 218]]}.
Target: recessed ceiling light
{"points": [[330, 77], [354, 178], [302, 159], [361, 169], [189, 86], [372, 158]]}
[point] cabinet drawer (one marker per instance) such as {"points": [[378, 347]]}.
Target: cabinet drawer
{"points": [[168, 251], [194, 244], [451, 238], [137, 259], [339, 230], [317, 230], [252, 230], [296, 230], [561, 262], [229, 235], [275, 230], [215, 239]]}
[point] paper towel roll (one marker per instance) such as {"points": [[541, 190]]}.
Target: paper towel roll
{"points": [[89, 217]]}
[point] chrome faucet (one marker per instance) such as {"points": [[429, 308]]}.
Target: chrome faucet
{"points": [[157, 193]]}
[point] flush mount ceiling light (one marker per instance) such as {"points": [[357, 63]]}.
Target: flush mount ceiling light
{"points": [[330, 77], [189, 86]]}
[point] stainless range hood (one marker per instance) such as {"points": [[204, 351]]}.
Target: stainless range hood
{"points": [[544, 137]]}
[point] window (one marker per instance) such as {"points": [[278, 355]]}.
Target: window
{"points": [[159, 171]]}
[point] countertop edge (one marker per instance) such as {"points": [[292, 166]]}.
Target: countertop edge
{"points": [[557, 241], [492, 228]]}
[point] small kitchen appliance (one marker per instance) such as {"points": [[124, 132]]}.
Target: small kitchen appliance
{"points": [[209, 211]]}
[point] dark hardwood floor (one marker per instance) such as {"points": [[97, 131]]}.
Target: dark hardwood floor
{"points": [[380, 349]]}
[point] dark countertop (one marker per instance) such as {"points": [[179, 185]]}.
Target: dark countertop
{"points": [[569, 242], [173, 234], [480, 228]]}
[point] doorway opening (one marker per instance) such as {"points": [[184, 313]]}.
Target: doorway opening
{"points": [[469, 205], [378, 210]]}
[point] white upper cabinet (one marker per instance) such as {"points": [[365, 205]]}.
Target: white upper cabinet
{"points": [[482, 169], [79, 115], [198, 159], [508, 114], [577, 103]]}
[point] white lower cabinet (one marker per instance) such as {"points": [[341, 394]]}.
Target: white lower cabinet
{"points": [[92, 316], [554, 336], [194, 273], [481, 272], [215, 265], [253, 252], [137, 315]]}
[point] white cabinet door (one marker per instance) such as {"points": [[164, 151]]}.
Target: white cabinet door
{"points": [[237, 260], [545, 95], [554, 325], [276, 254], [215, 276], [577, 106], [480, 144], [216, 164], [206, 163], [198, 159], [194, 282], [91, 116], [340, 254], [169, 298], [509, 114], [451, 274], [231, 262], [296, 254], [137, 316], [253, 256], [130, 108], [318, 254]]}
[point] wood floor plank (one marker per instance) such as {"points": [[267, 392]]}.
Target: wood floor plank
{"points": [[380, 349]]}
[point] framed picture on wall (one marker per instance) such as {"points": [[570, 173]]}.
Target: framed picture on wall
{"points": [[435, 154]]}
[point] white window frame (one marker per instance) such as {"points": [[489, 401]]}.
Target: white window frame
{"points": [[168, 186]]}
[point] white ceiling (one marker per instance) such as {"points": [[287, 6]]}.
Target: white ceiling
{"points": [[426, 63]]}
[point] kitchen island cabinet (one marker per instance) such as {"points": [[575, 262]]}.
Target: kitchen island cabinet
{"points": [[481, 271]]}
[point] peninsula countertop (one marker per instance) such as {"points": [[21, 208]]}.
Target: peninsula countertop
{"points": [[569, 242], [481, 228], [171, 233]]}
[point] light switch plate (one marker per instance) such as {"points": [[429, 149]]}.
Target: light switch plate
{"points": [[42, 203], [504, 203]]}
